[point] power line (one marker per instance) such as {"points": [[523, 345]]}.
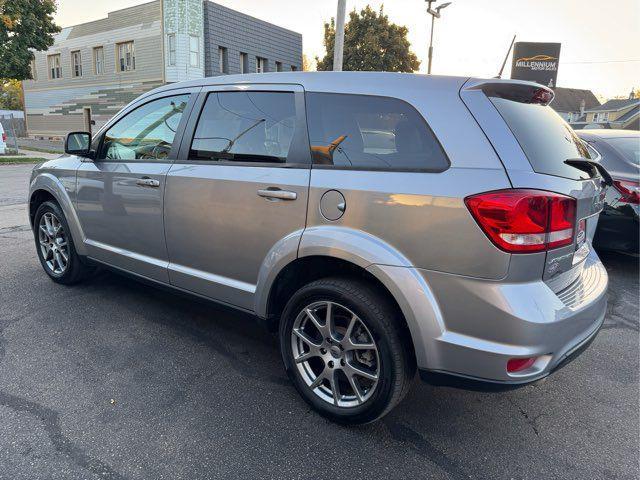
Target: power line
{"points": [[602, 61]]}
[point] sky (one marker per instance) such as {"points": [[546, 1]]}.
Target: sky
{"points": [[600, 39]]}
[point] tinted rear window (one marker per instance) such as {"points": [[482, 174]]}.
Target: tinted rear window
{"points": [[629, 147], [370, 132], [545, 138]]}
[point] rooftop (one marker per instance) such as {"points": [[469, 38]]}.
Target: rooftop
{"points": [[365, 83], [615, 104], [570, 99]]}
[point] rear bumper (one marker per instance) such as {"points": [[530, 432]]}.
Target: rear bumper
{"points": [[481, 324], [448, 379]]}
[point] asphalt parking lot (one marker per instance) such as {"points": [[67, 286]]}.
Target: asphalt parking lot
{"points": [[114, 379]]}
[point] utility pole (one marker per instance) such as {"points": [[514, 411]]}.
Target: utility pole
{"points": [[434, 14], [338, 46]]}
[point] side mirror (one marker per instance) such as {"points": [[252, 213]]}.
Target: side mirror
{"points": [[78, 143]]}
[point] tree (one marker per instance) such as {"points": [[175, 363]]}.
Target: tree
{"points": [[371, 43], [306, 63], [11, 95], [25, 25]]}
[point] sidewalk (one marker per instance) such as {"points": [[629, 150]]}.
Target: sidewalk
{"points": [[34, 154]]}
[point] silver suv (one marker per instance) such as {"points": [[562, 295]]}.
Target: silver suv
{"points": [[380, 223]]}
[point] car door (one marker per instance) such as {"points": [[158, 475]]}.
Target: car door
{"points": [[238, 188], [120, 193]]}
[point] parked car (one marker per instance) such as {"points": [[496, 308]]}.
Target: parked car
{"points": [[3, 140], [457, 244], [619, 151]]}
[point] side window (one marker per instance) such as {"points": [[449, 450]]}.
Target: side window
{"points": [[147, 132], [245, 127], [364, 131]]}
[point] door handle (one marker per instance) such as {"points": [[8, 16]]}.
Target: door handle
{"points": [[147, 182], [276, 193]]}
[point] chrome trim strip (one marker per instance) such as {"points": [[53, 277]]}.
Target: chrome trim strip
{"points": [[127, 253], [211, 277]]}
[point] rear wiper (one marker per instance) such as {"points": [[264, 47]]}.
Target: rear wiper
{"points": [[587, 165]]}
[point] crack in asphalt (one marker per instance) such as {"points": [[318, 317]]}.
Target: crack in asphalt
{"points": [[15, 228], [531, 421], [403, 433], [51, 422]]}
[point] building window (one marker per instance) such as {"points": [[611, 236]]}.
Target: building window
{"points": [[34, 72], [223, 60], [194, 51], [278, 66], [294, 68], [98, 60], [53, 62], [244, 63], [171, 49], [126, 57], [605, 116], [76, 63], [261, 65]]}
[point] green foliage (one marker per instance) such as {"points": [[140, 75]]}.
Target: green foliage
{"points": [[10, 95], [371, 43], [24, 25]]}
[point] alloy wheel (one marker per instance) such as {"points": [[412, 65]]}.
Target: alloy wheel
{"points": [[335, 354], [53, 243]]}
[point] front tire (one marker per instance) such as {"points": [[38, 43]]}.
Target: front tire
{"points": [[55, 247], [344, 350]]}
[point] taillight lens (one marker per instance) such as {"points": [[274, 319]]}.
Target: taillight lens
{"points": [[525, 221], [629, 190], [4, 137]]}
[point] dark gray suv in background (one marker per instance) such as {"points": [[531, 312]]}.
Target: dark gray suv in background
{"points": [[381, 223]]}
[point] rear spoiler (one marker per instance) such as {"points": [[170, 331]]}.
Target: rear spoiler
{"points": [[523, 92]]}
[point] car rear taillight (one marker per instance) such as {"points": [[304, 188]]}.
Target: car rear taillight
{"points": [[525, 221], [4, 137], [629, 190]]}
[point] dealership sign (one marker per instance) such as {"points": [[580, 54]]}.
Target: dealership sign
{"points": [[536, 62]]}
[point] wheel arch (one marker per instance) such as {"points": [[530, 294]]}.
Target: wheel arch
{"points": [[338, 251], [46, 187]]}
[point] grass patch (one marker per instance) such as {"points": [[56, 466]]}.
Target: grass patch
{"points": [[12, 160], [43, 150]]}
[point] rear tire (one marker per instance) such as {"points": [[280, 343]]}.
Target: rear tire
{"points": [[55, 247], [372, 367]]}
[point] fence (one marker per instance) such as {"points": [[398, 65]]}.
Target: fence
{"points": [[14, 128]]}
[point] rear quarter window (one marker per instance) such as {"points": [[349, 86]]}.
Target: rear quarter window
{"points": [[629, 148], [371, 133], [546, 139]]}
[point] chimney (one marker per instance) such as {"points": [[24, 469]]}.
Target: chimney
{"points": [[583, 104]]}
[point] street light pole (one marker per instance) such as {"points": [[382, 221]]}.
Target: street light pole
{"points": [[433, 21], [434, 14], [338, 44]]}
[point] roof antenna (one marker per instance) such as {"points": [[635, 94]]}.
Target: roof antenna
{"points": [[505, 58]]}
